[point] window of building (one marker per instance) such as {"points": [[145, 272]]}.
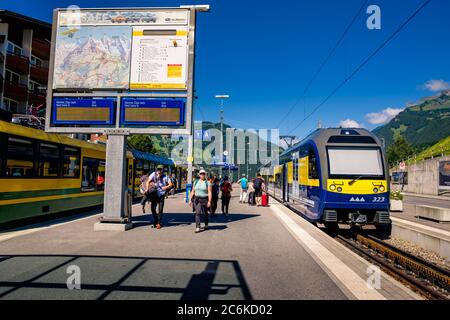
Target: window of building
{"points": [[19, 159], [36, 61], [11, 105], [14, 48], [12, 77], [49, 160], [71, 162]]}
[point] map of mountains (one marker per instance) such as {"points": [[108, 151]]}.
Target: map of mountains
{"points": [[93, 57], [422, 124]]}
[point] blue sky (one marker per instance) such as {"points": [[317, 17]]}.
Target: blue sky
{"points": [[264, 53]]}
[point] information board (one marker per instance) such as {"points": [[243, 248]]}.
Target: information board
{"points": [[147, 112], [137, 61], [159, 58], [76, 111]]}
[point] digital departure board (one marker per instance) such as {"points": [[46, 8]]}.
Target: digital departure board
{"points": [[86, 111], [152, 112]]}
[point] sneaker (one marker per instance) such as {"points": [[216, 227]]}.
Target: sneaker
{"points": [[197, 230], [153, 226], [158, 226], [206, 227]]}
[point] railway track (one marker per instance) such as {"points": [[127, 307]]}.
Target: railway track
{"points": [[430, 280]]}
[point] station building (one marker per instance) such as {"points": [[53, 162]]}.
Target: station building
{"points": [[24, 60]]}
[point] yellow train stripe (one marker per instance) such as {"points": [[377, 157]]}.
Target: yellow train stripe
{"points": [[28, 200], [18, 185]]}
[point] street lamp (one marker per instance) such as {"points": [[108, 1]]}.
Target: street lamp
{"points": [[221, 97], [248, 157]]}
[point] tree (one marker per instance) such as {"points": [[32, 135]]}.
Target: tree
{"points": [[399, 150], [142, 143]]}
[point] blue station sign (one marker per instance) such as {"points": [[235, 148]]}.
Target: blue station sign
{"points": [[86, 111], [152, 112]]}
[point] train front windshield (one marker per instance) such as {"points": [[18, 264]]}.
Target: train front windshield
{"points": [[351, 162]]}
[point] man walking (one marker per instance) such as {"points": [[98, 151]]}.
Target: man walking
{"points": [[244, 188], [258, 185], [161, 184]]}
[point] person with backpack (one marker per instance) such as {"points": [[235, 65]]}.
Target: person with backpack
{"points": [[201, 198], [226, 195], [258, 186], [244, 188], [157, 185]]}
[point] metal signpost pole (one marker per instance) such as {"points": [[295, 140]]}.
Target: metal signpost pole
{"points": [[115, 199]]}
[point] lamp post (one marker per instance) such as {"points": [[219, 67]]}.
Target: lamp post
{"points": [[221, 97], [248, 157]]}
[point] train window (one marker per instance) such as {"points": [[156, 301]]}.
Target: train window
{"points": [[71, 162], [313, 172], [347, 161], [93, 178], [49, 160], [19, 160], [351, 139]]}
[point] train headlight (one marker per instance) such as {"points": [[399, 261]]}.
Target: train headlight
{"points": [[332, 187], [339, 189], [382, 188], [375, 190]]}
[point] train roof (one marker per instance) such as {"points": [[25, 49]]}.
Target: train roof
{"points": [[327, 135], [23, 131]]}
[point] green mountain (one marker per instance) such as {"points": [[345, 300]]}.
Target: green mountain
{"points": [[436, 150], [422, 124]]}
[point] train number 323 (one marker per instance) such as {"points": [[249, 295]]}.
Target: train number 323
{"points": [[378, 199]]}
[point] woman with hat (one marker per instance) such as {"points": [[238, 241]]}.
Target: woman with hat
{"points": [[201, 196]]}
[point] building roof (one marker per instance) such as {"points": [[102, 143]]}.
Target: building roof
{"points": [[7, 15]]}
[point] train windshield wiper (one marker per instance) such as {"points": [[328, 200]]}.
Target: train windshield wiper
{"points": [[354, 180]]}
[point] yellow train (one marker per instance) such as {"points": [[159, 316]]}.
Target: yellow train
{"points": [[45, 174]]}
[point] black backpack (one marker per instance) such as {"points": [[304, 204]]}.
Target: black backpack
{"points": [[258, 183]]}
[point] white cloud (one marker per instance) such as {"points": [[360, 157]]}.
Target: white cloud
{"points": [[436, 85], [349, 123], [384, 116]]}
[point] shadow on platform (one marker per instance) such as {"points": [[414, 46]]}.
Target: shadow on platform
{"points": [[109, 277], [219, 222]]}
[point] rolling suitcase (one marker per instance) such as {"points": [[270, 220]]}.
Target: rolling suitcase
{"points": [[251, 199], [265, 200]]}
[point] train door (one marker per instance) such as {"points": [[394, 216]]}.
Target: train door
{"points": [[295, 176], [285, 184]]}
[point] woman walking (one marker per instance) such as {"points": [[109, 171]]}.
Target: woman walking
{"points": [[226, 195], [201, 197]]}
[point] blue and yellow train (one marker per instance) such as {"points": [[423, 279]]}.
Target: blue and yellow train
{"points": [[336, 176], [44, 174]]}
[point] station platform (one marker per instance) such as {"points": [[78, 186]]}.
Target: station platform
{"points": [[254, 253], [428, 234]]}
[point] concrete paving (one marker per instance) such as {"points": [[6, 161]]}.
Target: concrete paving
{"points": [[251, 254]]}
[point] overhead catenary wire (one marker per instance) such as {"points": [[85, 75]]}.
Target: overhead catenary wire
{"points": [[361, 65], [324, 62]]}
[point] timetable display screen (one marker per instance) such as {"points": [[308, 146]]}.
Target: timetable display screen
{"points": [[90, 111], [152, 112]]}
